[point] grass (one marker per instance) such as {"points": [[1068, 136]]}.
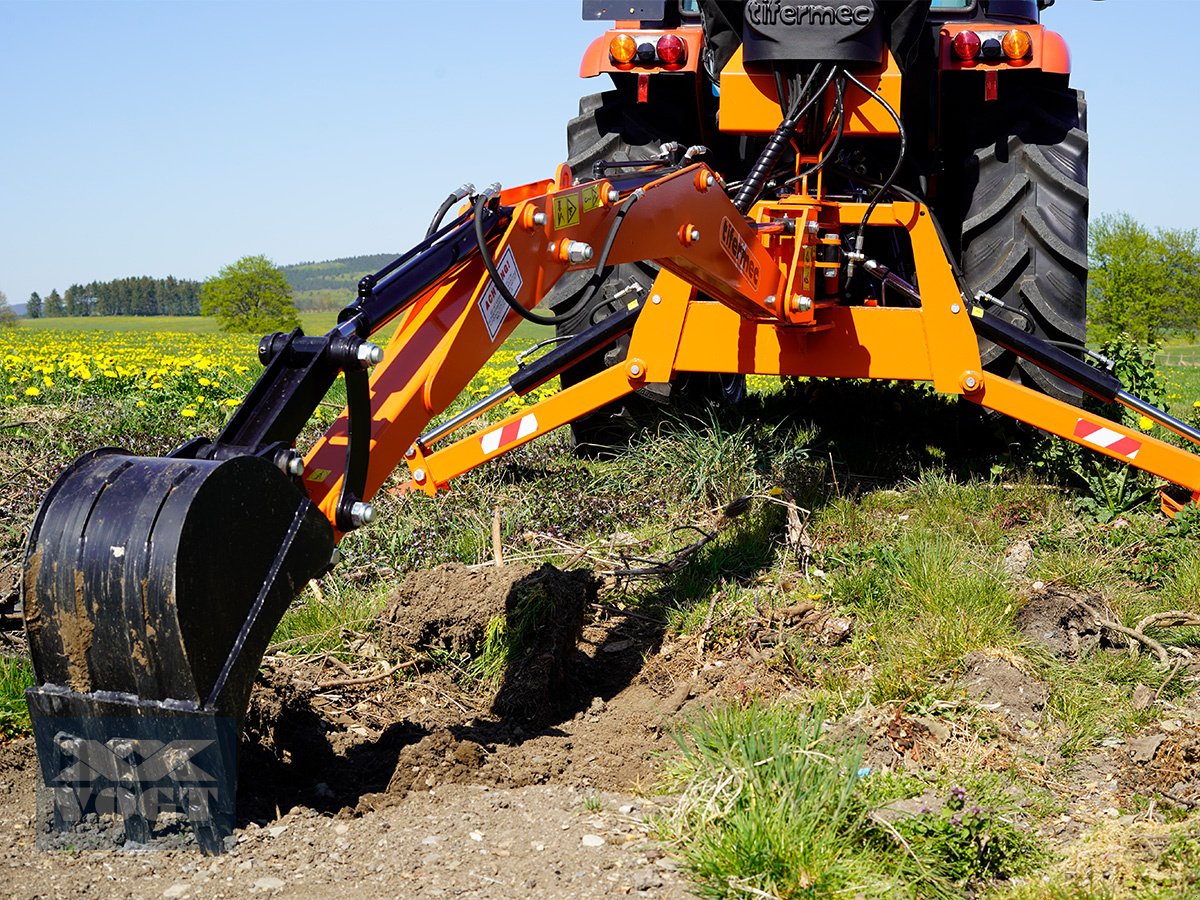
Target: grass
{"points": [[907, 504], [16, 674], [769, 804]]}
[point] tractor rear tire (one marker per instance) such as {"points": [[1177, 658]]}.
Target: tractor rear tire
{"points": [[612, 126], [1024, 228]]}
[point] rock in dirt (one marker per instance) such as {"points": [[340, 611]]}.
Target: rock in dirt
{"points": [[1017, 558], [998, 684], [1142, 748]]}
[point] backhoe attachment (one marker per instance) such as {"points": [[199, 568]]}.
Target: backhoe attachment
{"points": [[152, 586]]}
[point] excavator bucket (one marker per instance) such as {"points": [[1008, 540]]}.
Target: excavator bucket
{"points": [[152, 587]]}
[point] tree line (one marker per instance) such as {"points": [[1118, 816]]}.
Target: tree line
{"points": [[137, 296], [1142, 282]]}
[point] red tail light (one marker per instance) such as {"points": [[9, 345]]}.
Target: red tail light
{"points": [[671, 50], [966, 45]]}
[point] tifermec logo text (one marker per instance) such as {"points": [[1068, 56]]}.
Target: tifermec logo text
{"points": [[765, 13]]}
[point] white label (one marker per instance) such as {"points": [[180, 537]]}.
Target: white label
{"points": [[491, 304]]}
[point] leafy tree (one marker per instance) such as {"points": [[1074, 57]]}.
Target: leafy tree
{"points": [[8, 315], [1141, 282], [33, 306], [54, 305], [250, 295]]}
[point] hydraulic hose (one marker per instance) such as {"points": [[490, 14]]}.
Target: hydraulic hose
{"points": [[887, 184], [454, 197], [583, 296], [765, 164]]}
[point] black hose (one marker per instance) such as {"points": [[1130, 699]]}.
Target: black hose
{"points": [[840, 118], [887, 184], [581, 298], [454, 197], [765, 164]]}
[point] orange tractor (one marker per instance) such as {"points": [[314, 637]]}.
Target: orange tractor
{"points": [[834, 188]]}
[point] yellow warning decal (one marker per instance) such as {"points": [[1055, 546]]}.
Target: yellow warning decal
{"points": [[566, 211], [319, 475], [591, 197]]}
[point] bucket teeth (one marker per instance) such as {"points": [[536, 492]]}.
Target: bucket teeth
{"points": [[151, 589]]}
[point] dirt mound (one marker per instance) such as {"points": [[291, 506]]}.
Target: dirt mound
{"points": [[999, 685], [544, 617], [1053, 618], [447, 608]]}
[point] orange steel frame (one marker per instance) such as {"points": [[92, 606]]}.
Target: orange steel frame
{"points": [[751, 319]]}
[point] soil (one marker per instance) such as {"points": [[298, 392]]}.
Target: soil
{"points": [[411, 785], [418, 787]]}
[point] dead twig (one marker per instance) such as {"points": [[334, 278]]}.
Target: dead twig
{"points": [[368, 679], [1150, 643]]}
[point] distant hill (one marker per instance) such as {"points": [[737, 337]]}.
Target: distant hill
{"points": [[333, 283]]}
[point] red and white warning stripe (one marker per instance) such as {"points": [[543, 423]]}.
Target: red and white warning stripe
{"points": [[1105, 437], [509, 434]]}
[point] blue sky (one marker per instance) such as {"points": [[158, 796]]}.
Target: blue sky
{"points": [[174, 137]]}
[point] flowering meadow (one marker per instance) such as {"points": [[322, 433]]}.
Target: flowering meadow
{"points": [[188, 375]]}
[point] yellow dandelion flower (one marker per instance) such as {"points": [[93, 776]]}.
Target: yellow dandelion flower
{"points": [[31, 392], [188, 413], [1145, 423]]}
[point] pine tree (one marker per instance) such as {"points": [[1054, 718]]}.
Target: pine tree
{"points": [[33, 306], [54, 305]]}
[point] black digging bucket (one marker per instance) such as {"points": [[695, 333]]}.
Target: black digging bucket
{"points": [[152, 587]]}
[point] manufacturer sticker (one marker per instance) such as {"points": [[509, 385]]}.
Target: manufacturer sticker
{"points": [[1110, 440], [739, 252], [492, 306], [566, 211], [591, 197]]}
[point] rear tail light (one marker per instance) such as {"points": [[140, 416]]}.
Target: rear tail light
{"points": [[622, 49], [966, 45], [1017, 44], [671, 50]]}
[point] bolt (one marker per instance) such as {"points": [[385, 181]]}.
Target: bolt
{"points": [[410, 452], [295, 466], [370, 354], [361, 513], [419, 476], [801, 303], [613, 195], [709, 181], [771, 301], [695, 234], [579, 252], [831, 273], [813, 227], [970, 382], [956, 309], [656, 299], [635, 370], [539, 218]]}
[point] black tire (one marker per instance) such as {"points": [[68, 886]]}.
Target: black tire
{"points": [[613, 126], [1024, 227]]}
